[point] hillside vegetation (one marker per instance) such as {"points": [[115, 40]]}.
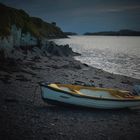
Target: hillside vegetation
{"points": [[35, 26]]}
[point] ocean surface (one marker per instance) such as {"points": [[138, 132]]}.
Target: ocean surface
{"points": [[115, 54]]}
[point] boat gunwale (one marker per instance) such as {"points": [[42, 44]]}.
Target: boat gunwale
{"points": [[91, 97]]}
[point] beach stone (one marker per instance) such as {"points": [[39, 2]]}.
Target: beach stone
{"points": [[79, 83], [110, 77], [86, 65], [100, 85], [127, 82], [77, 66], [136, 89]]}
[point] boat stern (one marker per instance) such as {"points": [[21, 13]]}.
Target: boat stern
{"points": [[42, 86]]}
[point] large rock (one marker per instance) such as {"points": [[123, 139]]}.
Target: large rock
{"points": [[60, 50]]}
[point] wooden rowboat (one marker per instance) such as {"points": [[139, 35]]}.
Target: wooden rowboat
{"points": [[94, 97]]}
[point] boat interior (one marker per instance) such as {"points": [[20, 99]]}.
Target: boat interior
{"points": [[95, 92]]}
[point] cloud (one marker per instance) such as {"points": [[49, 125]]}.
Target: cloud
{"points": [[123, 8]]}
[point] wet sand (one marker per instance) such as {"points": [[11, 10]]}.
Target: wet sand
{"points": [[23, 114]]}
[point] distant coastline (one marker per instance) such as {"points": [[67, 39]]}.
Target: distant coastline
{"points": [[124, 32], [70, 33]]}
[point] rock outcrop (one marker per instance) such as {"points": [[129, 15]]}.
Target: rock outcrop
{"points": [[60, 50]]}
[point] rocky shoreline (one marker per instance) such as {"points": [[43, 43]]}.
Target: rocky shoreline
{"points": [[25, 116]]}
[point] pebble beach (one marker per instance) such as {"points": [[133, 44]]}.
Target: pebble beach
{"points": [[24, 115]]}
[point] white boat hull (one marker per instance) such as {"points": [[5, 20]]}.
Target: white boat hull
{"points": [[49, 94]]}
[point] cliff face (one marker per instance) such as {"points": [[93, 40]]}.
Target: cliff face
{"points": [[17, 38], [17, 28]]}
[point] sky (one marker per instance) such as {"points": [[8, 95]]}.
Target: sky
{"points": [[84, 15]]}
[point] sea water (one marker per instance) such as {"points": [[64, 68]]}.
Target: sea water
{"points": [[115, 54]]}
